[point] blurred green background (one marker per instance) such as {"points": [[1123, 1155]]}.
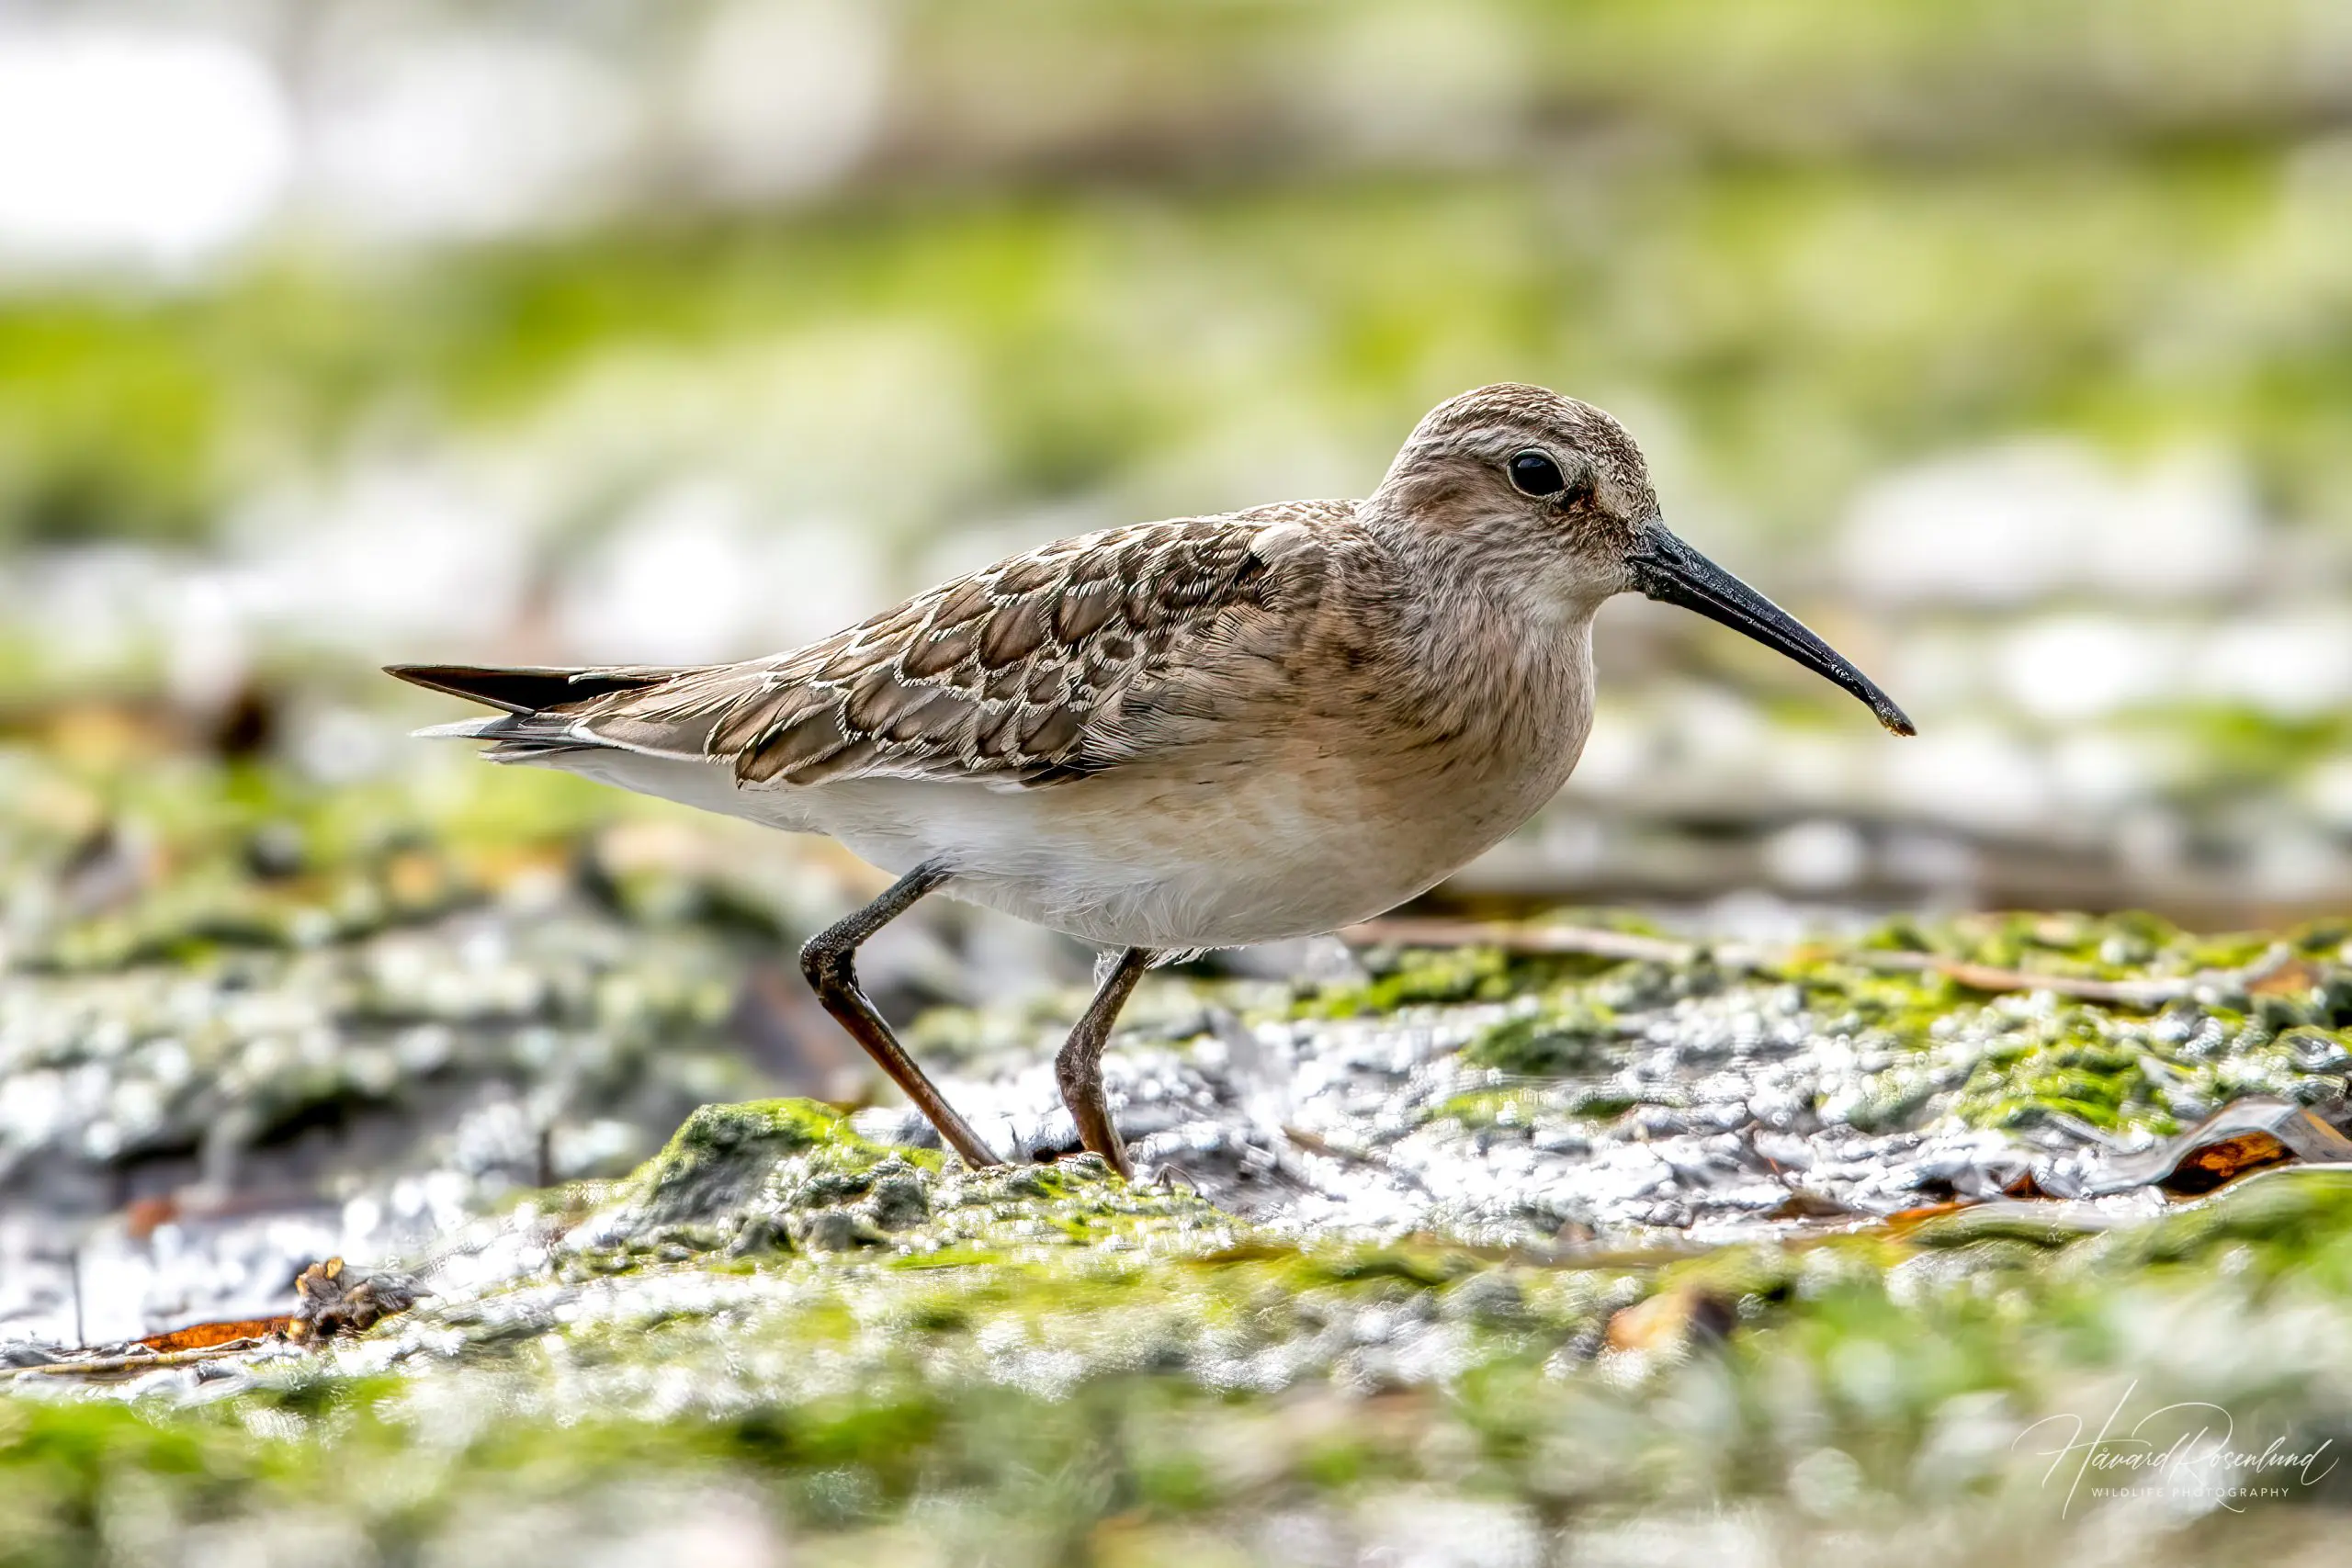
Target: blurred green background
{"points": [[2007, 341]]}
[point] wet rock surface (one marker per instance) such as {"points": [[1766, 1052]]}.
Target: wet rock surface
{"points": [[178, 1142], [1540, 1243], [194, 1134], [800, 1339], [1509, 1101]]}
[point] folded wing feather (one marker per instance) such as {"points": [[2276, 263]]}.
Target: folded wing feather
{"points": [[1034, 671]]}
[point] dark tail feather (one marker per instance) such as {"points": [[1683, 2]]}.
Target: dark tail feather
{"points": [[526, 688], [524, 746]]}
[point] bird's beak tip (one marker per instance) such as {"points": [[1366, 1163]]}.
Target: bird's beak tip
{"points": [[1665, 569]]}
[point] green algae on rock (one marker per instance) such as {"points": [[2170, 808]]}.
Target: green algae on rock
{"points": [[789, 1176], [1926, 1048], [843, 1399]]}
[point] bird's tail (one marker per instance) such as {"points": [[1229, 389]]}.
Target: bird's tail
{"points": [[529, 688], [538, 701]]}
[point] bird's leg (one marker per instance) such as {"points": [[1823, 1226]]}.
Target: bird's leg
{"points": [[1079, 1065], [830, 960]]}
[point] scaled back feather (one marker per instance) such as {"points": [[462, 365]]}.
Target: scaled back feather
{"points": [[1043, 668]]}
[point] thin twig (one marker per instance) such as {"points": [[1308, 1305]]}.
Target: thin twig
{"points": [[2153, 991], [98, 1364], [1589, 941], [1316, 1144]]}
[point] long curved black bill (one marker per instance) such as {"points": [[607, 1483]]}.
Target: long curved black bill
{"points": [[1665, 569]]}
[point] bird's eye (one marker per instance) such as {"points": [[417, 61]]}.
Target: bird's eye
{"points": [[1532, 473]]}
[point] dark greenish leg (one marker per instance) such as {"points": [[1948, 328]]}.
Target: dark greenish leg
{"points": [[831, 963], [1079, 1067]]}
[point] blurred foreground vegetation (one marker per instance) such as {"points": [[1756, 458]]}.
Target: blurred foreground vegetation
{"points": [[277, 982], [1049, 1367], [781, 1335]]}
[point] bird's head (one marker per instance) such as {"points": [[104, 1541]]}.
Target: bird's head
{"points": [[1554, 491]]}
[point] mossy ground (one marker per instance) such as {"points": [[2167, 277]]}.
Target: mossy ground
{"points": [[1003, 1377], [1928, 1049], [778, 1327]]}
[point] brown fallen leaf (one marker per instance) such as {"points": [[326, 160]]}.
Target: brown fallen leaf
{"points": [[2244, 1136], [2291, 978], [2025, 1187], [144, 1216], [205, 1336], [2202, 1170], [1903, 1219], [1685, 1317]]}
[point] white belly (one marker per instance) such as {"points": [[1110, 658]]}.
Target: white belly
{"points": [[1135, 859], [1139, 864]]}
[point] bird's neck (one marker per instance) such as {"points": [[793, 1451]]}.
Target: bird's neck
{"points": [[1497, 646]]}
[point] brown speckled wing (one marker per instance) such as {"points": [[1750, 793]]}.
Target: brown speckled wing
{"points": [[1020, 673]]}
